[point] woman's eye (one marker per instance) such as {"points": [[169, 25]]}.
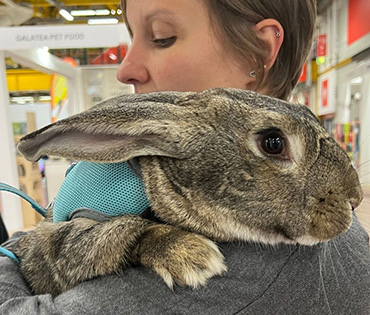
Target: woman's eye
{"points": [[164, 42], [273, 144]]}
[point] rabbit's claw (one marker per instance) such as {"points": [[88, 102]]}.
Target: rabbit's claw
{"points": [[180, 257]]}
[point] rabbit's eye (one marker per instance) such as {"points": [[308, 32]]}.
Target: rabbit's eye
{"points": [[273, 143]]}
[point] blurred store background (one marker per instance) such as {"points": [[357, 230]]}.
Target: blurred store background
{"points": [[58, 58]]}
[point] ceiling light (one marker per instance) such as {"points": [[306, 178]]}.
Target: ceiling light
{"points": [[102, 21], [22, 99], [102, 12], [83, 12], [119, 11], [64, 13]]}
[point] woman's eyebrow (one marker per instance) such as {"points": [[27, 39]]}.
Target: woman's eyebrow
{"points": [[158, 12], [148, 17]]}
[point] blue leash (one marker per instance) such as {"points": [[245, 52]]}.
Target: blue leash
{"points": [[9, 254], [33, 203]]}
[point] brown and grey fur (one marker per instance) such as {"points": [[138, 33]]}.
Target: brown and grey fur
{"points": [[205, 176]]}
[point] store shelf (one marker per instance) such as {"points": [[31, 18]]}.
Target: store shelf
{"points": [[19, 80], [30, 182]]}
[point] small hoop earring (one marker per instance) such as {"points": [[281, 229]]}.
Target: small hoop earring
{"points": [[277, 34], [252, 74]]}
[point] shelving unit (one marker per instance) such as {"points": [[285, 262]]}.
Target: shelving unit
{"points": [[30, 180]]}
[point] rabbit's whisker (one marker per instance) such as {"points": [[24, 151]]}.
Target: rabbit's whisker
{"points": [[364, 163], [322, 282]]}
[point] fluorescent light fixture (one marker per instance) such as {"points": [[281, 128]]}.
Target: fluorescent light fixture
{"points": [[44, 98], [66, 15], [102, 12], [98, 12], [357, 80], [22, 99], [102, 21], [83, 12]]}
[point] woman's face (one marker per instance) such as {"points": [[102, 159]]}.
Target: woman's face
{"points": [[174, 49]]}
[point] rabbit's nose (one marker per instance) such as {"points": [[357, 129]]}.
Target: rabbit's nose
{"points": [[354, 204], [356, 197]]}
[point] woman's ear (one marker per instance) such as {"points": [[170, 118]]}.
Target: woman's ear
{"points": [[272, 33]]}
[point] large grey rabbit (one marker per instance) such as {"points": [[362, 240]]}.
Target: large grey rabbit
{"points": [[219, 165]]}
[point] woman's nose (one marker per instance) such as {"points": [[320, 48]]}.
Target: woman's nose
{"points": [[132, 69]]}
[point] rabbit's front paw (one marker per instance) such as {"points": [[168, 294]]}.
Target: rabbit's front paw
{"points": [[180, 257]]}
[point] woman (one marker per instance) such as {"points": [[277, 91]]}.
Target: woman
{"points": [[194, 45]]}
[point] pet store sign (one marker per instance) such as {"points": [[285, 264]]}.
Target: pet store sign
{"points": [[65, 36], [326, 85], [49, 37]]}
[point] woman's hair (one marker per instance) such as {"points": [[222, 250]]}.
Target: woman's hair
{"points": [[236, 20]]}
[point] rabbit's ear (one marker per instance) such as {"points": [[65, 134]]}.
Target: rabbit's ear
{"points": [[116, 130]]}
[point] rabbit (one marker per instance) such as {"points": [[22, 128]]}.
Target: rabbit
{"points": [[218, 166]]}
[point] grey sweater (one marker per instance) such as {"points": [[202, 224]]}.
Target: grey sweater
{"points": [[332, 278]]}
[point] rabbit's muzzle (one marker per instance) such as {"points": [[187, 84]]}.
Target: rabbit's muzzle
{"points": [[333, 192]]}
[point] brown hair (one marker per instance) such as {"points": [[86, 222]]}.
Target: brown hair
{"points": [[236, 20]]}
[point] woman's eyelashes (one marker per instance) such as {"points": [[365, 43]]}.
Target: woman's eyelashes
{"points": [[164, 42]]}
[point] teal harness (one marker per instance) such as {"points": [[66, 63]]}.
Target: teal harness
{"points": [[93, 190]]}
